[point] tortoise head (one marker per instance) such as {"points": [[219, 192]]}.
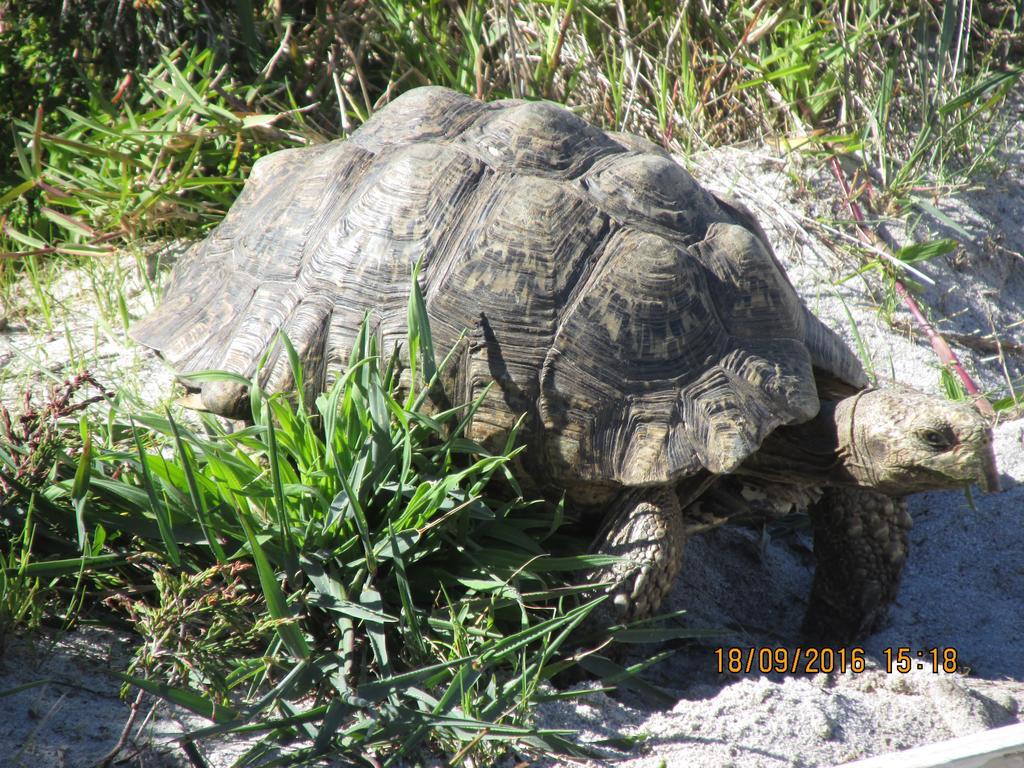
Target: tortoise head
{"points": [[229, 399], [900, 441]]}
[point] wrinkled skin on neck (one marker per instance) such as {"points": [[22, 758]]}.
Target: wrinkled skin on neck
{"points": [[899, 442]]}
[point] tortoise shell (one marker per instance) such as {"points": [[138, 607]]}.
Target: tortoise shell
{"points": [[643, 325]]}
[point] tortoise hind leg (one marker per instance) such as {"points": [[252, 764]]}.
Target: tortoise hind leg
{"points": [[860, 544], [645, 529]]}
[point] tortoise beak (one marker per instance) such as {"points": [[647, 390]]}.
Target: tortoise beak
{"points": [[989, 477]]}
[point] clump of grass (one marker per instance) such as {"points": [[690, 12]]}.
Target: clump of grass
{"points": [[908, 84], [196, 627], [396, 590], [168, 160]]}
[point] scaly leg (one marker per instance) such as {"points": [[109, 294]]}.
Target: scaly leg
{"points": [[860, 544], [646, 530]]}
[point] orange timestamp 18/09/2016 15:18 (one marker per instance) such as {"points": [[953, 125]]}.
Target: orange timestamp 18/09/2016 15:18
{"points": [[814, 660]]}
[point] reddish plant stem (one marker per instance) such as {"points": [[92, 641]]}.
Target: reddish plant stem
{"points": [[939, 345]]}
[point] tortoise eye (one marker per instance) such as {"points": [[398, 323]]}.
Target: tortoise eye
{"points": [[936, 439]]}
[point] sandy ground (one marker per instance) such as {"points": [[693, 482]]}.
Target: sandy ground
{"points": [[963, 587]]}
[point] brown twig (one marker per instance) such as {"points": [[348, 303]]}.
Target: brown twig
{"points": [[478, 71], [50, 249], [122, 88], [355, 57], [741, 43], [942, 349], [556, 57], [107, 760], [983, 344]]}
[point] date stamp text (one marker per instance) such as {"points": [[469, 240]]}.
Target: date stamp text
{"points": [[813, 660]]}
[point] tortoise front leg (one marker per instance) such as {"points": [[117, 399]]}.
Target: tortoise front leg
{"points": [[860, 544], [645, 528]]}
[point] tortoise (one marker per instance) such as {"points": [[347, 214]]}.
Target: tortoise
{"points": [[669, 374]]}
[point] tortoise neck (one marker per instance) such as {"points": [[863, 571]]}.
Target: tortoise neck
{"points": [[811, 452]]}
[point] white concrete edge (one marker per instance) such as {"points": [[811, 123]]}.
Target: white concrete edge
{"points": [[999, 746]]}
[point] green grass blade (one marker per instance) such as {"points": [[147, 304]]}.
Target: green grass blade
{"points": [[186, 459], [277, 605], [80, 487], [192, 700], [159, 510]]}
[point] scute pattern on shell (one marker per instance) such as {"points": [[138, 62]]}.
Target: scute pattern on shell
{"points": [[643, 325]]}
